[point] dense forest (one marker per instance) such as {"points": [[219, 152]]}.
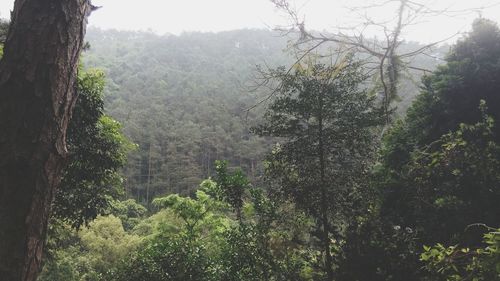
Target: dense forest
{"points": [[184, 101], [189, 100], [184, 167]]}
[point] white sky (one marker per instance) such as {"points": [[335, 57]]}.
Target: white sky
{"points": [[176, 16]]}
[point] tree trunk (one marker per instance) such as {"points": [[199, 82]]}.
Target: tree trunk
{"points": [[324, 197], [37, 95]]}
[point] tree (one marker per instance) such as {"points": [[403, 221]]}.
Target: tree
{"points": [[97, 150], [190, 114], [232, 186], [186, 254], [423, 162], [451, 184], [438, 170], [450, 96], [37, 80], [326, 125], [385, 55]]}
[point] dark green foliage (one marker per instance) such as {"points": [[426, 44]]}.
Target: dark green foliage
{"points": [[97, 150], [439, 166], [436, 181], [269, 247], [326, 127], [247, 256], [248, 252], [451, 94], [464, 166], [320, 111], [378, 251]]}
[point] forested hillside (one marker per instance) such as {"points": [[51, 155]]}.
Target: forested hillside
{"points": [[342, 195], [184, 100], [336, 201], [246, 155]]}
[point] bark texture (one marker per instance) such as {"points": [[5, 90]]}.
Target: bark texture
{"points": [[37, 95]]}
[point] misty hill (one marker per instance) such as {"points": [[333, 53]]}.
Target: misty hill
{"points": [[184, 100]]}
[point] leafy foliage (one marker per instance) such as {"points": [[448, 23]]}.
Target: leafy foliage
{"points": [[328, 211], [465, 166], [209, 243], [231, 186], [129, 212], [451, 94], [98, 149], [326, 127], [436, 181], [197, 214], [88, 254], [319, 112], [454, 263], [438, 170]]}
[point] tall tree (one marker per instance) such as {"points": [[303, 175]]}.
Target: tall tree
{"points": [[326, 124], [37, 94], [463, 172]]}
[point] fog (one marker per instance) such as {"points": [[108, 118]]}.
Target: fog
{"points": [[177, 16]]}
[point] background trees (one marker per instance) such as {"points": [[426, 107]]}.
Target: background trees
{"points": [[184, 100]]}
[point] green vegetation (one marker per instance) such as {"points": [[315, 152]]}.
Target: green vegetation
{"points": [[98, 149], [184, 100], [326, 125], [455, 263], [339, 196]]}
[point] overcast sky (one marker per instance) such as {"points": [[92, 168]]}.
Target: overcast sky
{"points": [[176, 16]]}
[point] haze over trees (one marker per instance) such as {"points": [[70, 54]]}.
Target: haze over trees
{"points": [[179, 168], [416, 205], [191, 93]]}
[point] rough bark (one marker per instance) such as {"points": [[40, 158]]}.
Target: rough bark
{"points": [[37, 95]]}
